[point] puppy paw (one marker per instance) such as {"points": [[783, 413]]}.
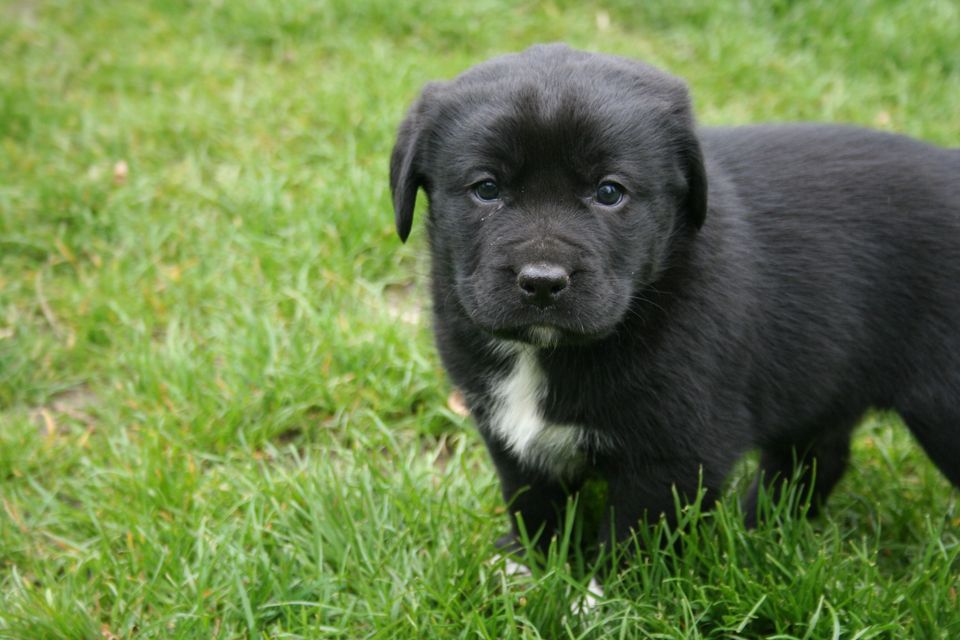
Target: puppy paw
{"points": [[588, 601], [511, 568]]}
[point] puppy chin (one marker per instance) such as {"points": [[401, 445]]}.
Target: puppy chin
{"points": [[542, 335], [546, 336]]}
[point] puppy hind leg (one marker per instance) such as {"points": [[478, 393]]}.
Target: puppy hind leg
{"points": [[937, 428], [929, 402], [816, 467]]}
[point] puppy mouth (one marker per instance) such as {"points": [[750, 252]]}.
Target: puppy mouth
{"points": [[582, 313]]}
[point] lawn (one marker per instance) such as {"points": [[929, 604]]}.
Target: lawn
{"points": [[221, 412]]}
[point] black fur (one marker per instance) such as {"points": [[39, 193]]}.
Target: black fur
{"points": [[758, 287]]}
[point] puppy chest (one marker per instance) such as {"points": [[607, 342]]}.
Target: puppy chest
{"points": [[517, 419]]}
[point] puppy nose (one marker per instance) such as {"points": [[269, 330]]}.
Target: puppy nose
{"points": [[542, 283]]}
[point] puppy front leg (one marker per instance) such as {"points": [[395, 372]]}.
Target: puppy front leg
{"points": [[638, 495], [531, 496]]}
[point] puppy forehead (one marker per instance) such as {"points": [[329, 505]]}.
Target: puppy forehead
{"points": [[534, 123], [558, 64], [585, 112]]}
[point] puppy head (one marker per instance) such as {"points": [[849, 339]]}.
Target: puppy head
{"points": [[556, 180]]}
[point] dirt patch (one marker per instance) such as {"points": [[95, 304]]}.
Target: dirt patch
{"points": [[403, 302], [64, 408], [22, 11]]}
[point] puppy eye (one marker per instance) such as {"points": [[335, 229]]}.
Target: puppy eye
{"points": [[486, 190], [608, 194]]}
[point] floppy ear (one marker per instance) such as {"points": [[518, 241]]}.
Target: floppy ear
{"points": [[696, 175], [672, 94], [406, 175], [404, 180]]}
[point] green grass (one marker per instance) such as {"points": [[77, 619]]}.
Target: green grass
{"points": [[217, 419]]}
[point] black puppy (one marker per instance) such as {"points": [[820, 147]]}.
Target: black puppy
{"points": [[620, 294]]}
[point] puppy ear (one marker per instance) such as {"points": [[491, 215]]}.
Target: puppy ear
{"points": [[406, 176], [696, 175], [404, 179]]}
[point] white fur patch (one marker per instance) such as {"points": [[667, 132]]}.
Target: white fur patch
{"points": [[518, 421], [590, 600], [511, 568]]}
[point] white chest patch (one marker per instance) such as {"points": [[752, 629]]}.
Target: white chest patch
{"points": [[517, 419]]}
